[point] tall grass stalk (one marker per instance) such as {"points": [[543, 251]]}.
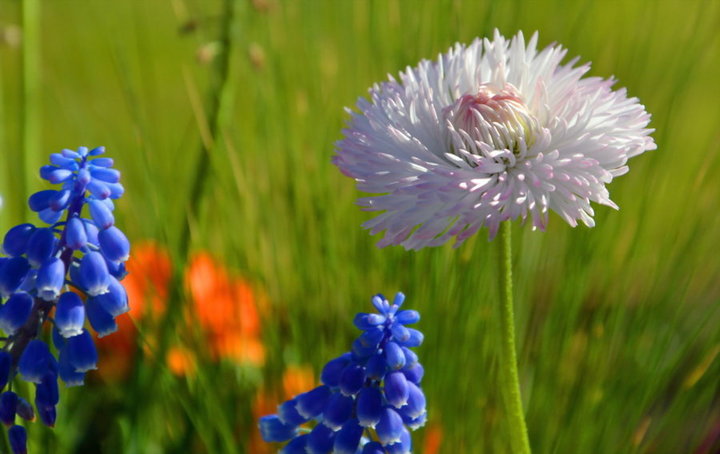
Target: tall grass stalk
{"points": [[29, 105], [220, 101]]}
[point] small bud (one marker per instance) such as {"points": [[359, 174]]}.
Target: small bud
{"points": [[333, 369], [394, 356], [396, 389], [47, 393], [81, 352], [312, 403], [101, 214], [18, 439], [369, 406], [8, 404], [67, 371], [352, 379], [93, 274], [75, 235], [287, 412], [390, 427], [114, 244], [347, 439], [41, 199], [50, 279], [40, 246], [274, 430], [25, 410], [101, 320], [320, 439], [34, 361], [15, 312], [16, 239], [13, 272], [337, 411], [69, 315], [115, 301]]}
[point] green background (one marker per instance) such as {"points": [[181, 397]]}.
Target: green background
{"points": [[617, 325]]}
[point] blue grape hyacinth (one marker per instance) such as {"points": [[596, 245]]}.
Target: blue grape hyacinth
{"points": [[67, 273], [370, 398]]}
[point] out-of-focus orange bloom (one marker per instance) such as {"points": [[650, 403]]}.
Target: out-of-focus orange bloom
{"points": [[149, 272], [226, 310], [225, 306], [297, 379], [433, 439], [181, 361], [148, 280]]}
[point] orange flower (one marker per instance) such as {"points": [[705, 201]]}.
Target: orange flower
{"points": [[297, 380], [433, 439], [181, 361], [226, 310]]}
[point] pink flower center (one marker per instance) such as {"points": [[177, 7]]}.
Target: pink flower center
{"points": [[491, 120]]}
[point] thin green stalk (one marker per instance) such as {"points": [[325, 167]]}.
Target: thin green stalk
{"points": [[221, 97], [30, 127], [509, 382]]}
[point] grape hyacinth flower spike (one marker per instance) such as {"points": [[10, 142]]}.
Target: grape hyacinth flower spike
{"points": [[370, 397], [62, 276]]}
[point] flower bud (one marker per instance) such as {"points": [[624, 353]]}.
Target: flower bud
{"points": [[312, 403], [81, 352], [390, 427], [50, 279], [101, 320], [115, 301], [347, 439], [67, 371], [337, 411], [40, 246], [394, 356], [69, 315], [93, 274], [101, 214], [13, 272], [25, 410], [333, 369], [352, 379], [274, 430], [396, 389], [114, 244], [18, 439], [16, 239], [41, 199], [320, 440], [75, 235], [15, 312], [34, 361], [369, 406], [287, 412], [8, 404]]}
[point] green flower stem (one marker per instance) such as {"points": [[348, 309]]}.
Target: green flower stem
{"points": [[509, 382]]}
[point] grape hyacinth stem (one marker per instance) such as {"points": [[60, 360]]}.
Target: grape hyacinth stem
{"points": [[509, 382]]}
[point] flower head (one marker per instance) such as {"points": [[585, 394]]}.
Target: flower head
{"points": [[488, 132], [87, 254], [370, 397]]}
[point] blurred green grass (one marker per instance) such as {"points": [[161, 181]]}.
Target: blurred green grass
{"points": [[617, 325]]}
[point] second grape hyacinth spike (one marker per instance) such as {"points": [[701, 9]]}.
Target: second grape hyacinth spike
{"points": [[370, 398]]}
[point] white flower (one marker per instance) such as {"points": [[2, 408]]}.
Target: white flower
{"points": [[492, 131]]}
